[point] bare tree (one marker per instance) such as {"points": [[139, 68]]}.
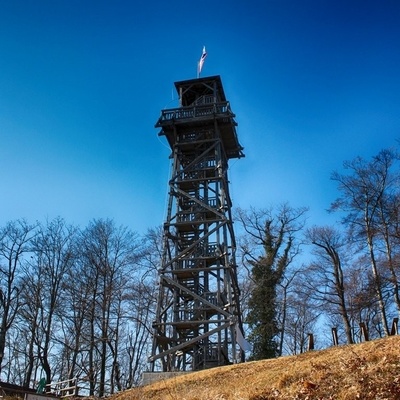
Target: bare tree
{"points": [[302, 316], [138, 339], [76, 317], [388, 228], [28, 319], [53, 257], [143, 301], [362, 192], [327, 272], [109, 255], [363, 305], [15, 238], [286, 292], [82, 304]]}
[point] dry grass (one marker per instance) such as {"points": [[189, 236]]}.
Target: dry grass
{"points": [[364, 372]]}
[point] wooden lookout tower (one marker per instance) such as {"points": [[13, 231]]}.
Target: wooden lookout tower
{"points": [[198, 323]]}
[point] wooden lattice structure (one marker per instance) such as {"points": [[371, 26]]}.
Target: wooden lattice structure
{"points": [[198, 323]]}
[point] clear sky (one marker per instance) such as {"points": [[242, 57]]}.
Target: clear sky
{"points": [[312, 82]]}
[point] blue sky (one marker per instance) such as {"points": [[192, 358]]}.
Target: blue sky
{"points": [[312, 82]]}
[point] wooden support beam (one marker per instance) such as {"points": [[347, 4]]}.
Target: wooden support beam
{"points": [[335, 337], [196, 296], [394, 329], [364, 331], [310, 341], [189, 342]]}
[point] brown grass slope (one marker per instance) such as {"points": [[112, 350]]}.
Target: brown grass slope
{"points": [[364, 371]]}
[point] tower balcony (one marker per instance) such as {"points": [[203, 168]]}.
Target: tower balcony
{"points": [[197, 111], [200, 116]]}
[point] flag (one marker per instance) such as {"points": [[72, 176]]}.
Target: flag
{"points": [[241, 341], [202, 58]]}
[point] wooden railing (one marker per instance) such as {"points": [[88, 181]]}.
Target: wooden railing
{"points": [[195, 111], [67, 388]]}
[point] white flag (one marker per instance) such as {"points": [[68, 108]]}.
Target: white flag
{"points": [[202, 58], [241, 341]]}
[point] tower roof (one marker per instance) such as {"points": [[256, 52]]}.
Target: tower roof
{"points": [[191, 90]]}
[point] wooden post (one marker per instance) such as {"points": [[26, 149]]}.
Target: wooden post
{"points": [[364, 331], [310, 341], [76, 391], [394, 327], [335, 337]]}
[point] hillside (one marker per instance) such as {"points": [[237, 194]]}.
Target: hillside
{"points": [[364, 371]]}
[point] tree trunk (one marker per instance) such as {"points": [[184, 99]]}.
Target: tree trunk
{"points": [[378, 286]]}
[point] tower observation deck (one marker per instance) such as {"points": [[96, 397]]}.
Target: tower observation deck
{"points": [[198, 322]]}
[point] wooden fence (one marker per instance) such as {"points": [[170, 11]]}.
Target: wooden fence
{"points": [[364, 334], [67, 388]]}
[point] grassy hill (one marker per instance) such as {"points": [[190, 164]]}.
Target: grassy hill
{"points": [[364, 371]]}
